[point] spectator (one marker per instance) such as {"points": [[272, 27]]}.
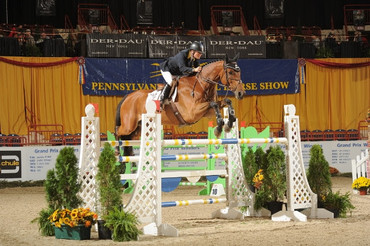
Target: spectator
{"points": [[40, 43], [331, 44], [13, 32], [316, 41], [28, 38]]}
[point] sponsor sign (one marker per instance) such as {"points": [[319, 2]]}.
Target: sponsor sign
{"points": [[246, 46], [116, 45]]}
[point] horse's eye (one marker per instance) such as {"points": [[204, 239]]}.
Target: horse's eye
{"points": [[230, 72]]}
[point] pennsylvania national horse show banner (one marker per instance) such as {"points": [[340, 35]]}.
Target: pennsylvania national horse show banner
{"points": [[118, 77]]}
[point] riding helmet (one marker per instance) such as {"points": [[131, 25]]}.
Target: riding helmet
{"points": [[197, 46]]}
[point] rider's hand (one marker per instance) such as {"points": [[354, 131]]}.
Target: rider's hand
{"points": [[197, 70]]}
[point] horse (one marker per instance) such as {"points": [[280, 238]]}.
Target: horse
{"points": [[196, 97]]}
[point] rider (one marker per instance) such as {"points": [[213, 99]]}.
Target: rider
{"points": [[185, 63]]}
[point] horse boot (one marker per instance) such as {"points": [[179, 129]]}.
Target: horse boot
{"points": [[164, 95]]}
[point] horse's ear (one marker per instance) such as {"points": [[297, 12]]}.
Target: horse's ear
{"points": [[236, 57], [226, 58]]}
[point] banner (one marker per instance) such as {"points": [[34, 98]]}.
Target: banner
{"points": [[118, 77], [270, 77], [116, 45], [246, 46], [45, 8]]}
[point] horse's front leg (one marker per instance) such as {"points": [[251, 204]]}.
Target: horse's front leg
{"points": [[232, 117], [219, 120]]}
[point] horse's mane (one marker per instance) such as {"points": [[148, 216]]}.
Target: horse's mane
{"points": [[211, 62]]}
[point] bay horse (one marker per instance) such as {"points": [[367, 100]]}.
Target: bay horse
{"points": [[196, 97]]}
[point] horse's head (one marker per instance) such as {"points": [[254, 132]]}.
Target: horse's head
{"points": [[231, 78]]}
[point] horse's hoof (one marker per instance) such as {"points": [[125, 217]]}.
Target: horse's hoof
{"points": [[227, 128], [217, 133]]}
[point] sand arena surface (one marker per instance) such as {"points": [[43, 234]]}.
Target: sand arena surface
{"points": [[18, 206]]}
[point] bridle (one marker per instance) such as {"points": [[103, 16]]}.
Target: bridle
{"points": [[226, 66]]}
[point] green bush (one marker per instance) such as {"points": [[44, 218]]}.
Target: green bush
{"points": [[337, 203], [318, 175], [124, 225], [109, 181]]}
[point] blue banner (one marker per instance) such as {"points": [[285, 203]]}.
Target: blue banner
{"points": [[118, 77], [270, 77]]}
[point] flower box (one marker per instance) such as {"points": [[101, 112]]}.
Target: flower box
{"points": [[79, 232]]}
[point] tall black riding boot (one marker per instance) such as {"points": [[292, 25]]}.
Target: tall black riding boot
{"points": [[165, 93]]}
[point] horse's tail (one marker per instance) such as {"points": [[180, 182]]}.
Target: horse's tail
{"points": [[128, 150], [118, 111]]}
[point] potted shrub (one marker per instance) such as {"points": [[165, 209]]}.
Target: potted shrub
{"points": [[62, 187], [124, 225], [272, 181], [361, 184], [337, 203], [252, 164], [109, 187], [318, 175], [319, 179]]}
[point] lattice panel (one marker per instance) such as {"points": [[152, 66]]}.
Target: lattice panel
{"points": [[143, 201], [300, 194], [239, 193], [89, 156]]}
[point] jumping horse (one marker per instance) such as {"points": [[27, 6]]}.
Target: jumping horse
{"points": [[196, 98]]}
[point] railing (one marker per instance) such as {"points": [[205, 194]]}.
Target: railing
{"points": [[12, 140], [124, 25], [100, 13], [256, 25], [228, 16], [361, 166], [45, 135], [363, 128]]}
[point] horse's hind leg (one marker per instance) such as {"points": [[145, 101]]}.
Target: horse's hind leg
{"points": [[219, 120], [232, 117]]}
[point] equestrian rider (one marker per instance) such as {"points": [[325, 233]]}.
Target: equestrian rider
{"points": [[185, 63]]}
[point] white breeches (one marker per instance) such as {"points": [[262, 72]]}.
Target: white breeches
{"points": [[168, 77]]}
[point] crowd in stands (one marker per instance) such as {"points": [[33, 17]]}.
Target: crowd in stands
{"points": [[47, 41]]}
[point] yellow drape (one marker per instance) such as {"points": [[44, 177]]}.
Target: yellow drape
{"points": [[331, 98]]}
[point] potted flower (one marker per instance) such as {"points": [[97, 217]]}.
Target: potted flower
{"points": [[361, 184], [109, 187], [73, 224]]}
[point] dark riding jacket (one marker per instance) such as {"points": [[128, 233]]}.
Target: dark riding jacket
{"points": [[181, 64]]}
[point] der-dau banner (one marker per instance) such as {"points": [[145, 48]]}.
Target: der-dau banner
{"points": [[118, 77]]}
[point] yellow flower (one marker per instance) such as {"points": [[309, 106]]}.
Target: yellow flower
{"points": [[78, 216], [361, 182]]}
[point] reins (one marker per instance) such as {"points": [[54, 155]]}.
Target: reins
{"points": [[209, 81]]}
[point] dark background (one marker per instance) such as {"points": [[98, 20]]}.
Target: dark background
{"points": [[166, 12]]}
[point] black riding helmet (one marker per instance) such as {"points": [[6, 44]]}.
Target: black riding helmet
{"points": [[197, 46]]}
